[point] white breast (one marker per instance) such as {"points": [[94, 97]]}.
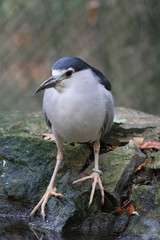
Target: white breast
{"points": [[77, 113]]}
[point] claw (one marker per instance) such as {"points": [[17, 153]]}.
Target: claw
{"points": [[49, 192], [96, 180]]}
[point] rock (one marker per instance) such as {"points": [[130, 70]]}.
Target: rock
{"points": [[118, 168], [14, 229], [137, 124], [146, 199], [154, 163], [27, 162]]}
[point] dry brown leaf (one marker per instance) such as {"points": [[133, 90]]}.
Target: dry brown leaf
{"points": [[130, 209], [150, 145], [48, 136], [142, 165], [146, 145], [136, 140], [119, 210], [110, 148]]}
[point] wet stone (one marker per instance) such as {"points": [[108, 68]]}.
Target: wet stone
{"points": [[27, 162]]}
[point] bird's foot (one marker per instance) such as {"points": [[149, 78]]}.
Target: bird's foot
{"points": [[96, 180], [49, 192]]}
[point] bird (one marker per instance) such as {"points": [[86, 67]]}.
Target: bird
{"points": [[78, 106]]}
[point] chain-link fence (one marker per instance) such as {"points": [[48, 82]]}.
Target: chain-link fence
{"points": [[121, 38]]}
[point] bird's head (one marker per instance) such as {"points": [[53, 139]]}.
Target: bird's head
{"points": [[63, 70], [68, 67]]}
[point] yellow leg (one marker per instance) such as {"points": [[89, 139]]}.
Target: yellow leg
{"points": [[51, 191], [95, 175]]}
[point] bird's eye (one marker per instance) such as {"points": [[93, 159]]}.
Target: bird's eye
{"points": [[69, 73]]}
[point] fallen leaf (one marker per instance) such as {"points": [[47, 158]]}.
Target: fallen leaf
{"points": [[150, 145], [146, 145], [142, 165], [48, 136], [119, 210], [119, 121], [137, 141], [130, 209], [110, 148]]}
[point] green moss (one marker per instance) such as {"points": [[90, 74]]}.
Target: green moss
{"points": [[118, 166], [30, 160], [143, 198], [155, 160], [22, 124]]}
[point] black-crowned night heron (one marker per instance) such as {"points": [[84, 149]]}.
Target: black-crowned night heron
{"points": [[78, 106]]}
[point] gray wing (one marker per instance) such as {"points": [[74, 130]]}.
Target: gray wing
{"points": [[46, 119], [108, 121]]}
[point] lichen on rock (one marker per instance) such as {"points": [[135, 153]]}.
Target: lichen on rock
{"points": [[27, 162]]}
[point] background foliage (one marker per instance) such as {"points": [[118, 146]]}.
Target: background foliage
{"points": [[121, 38]]}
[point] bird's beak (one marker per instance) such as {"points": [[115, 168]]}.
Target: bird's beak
{"points": [[50, 82]]}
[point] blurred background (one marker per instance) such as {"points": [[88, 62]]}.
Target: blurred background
{"points": [[121, 38]]}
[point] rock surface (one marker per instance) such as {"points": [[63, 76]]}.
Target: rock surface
{"points": [[26, 165], [137, 124]]}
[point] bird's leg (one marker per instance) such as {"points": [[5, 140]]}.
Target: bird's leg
{"points": [[51, 191], [95, 175]]}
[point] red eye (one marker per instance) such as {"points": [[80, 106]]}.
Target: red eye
{"points": [[69, 73]]}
